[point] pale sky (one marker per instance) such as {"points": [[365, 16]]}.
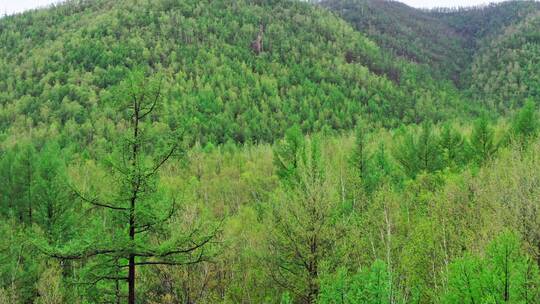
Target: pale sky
{"points": [[445, 3], [15, 6]]}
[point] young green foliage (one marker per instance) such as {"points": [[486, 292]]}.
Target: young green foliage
{"points": [[370, 285], [482, 141], [135, 207], [304, 232], [504, 275], [525, 124]]}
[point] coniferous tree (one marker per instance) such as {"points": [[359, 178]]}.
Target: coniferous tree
{"points": [[360, 155], [53, 212], [7, 182], [304, 231], [429, 151], [419, 152], [369, 285], [24, 182], [288, 154], [406, 153], [138, 209], [525, 124], [453, 147], [381, 169], [504, 275], [482, 143]]}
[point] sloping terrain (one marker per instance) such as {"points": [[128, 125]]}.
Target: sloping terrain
{"points": [[201, 151], [406, 32], [481, 23], [506, 71], [58, 66], [447, 40]]}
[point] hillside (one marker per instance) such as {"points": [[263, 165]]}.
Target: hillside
{"points": [[269, 151], [406, 32], [448, 40], [59, 65], [505, 72], [478, 25]]}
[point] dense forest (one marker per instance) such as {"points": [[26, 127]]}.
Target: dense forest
{"points": [[270, 151]]}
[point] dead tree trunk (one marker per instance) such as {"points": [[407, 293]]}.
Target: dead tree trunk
{"points": [[257, 44]]}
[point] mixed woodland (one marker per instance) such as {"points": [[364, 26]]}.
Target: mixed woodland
{"points": [[270, 151]]}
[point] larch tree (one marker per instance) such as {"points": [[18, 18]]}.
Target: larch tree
{"points": [[429, 148], [369, 285], [452, 146], [305, 228], [131, 212], [24, 182], [360, 155], [482, 143], [419, 152], [525, 124], [504, 275]]}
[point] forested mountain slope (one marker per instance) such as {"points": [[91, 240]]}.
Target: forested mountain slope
{"points": [[448, 40], [58, 67], [479, 24], [269, 151], [407, 32], [506, 71]]}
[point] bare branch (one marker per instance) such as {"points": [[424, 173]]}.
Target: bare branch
{"points": [[94, 201], [81, 255], [177, 251], [148, 226], [171, 263], [163, 160], [154, 102]]}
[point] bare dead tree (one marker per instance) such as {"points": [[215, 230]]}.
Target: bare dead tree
{"points": [[257, 44]]}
